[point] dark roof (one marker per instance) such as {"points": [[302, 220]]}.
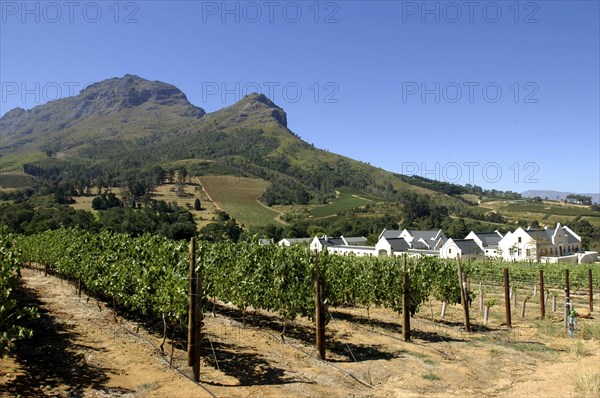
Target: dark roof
{"points": [[570, 237], [467, 246], [398, 244], [541, 235], [417, 244], [356, 240], [489, 238], [425, 235], [390, 233], [297, 240], [331, 241]]}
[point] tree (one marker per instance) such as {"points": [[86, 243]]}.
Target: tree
{"points": [[197, 205], [180, 189], [457, 229]]}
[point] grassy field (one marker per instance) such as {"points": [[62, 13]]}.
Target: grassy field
{"points": [[347, 199], [168, 193], [546, 213], [550, 208], [238, 196]]}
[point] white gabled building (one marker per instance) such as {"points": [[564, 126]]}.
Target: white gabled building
{"points": [[394, 242], [293, 241], [391, 246], [424, 240], [546, 245], [487, 242], [463, 248], [342, 245]]}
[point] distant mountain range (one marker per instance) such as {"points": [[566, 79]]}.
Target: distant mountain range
{"points": [[556, 195]]}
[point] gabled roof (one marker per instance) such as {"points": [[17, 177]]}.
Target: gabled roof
{"points": [[398, 244], [430, 235], [541, 235], [467, 246], [342, 241], [327, 241], [489, 238], [572, 237], [421, 244], [355, 240], [296, 240], [390, 233]]}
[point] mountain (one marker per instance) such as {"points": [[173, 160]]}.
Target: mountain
{"points": [[119, 106], [121, 125], [557, 195]]}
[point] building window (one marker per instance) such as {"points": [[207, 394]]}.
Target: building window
{"points": [[519, 239], [450, 252], [528, 252]]}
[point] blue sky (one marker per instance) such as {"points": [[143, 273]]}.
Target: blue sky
{"points": [[501, 94]]}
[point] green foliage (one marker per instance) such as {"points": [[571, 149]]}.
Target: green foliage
{"points": [[10, 311], [106, 201], [158, 218], [148, 274], [527, 274], [346, 200], [27, 218]]}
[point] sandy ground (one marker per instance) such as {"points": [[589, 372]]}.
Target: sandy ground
{"points": [[81, 349]]}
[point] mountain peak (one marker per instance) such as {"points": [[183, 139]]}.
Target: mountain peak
{"points": [[257, 106], [131, 90]]}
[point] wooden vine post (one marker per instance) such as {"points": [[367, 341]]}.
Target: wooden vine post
{"points": [[191, 306], [590, 290], [507, 298], [567, 288], [319, 310], [197, 318], [194, 313], [542, 301], [405, 301], [567, 300], [464, 295]]}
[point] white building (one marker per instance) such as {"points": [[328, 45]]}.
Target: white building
{"points": [[463, 248], [539, 244], [487, 242], [424, 240], [342, 245], [294, 241], [391, 246], [393, 242]]}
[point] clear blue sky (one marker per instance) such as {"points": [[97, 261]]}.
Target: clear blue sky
{"points": [[407, 86]]}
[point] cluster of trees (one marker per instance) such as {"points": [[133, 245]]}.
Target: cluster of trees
{"points": [[420, 212], [455, 189], [590, 234], [223, 229], [582, 199], [66, 178], [161, 218], [106, 201]]}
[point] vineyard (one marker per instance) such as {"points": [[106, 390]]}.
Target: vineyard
{"points": [[149, 277]]}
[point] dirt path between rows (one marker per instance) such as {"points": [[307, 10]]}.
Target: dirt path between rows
{"points": [[81, 349]]}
